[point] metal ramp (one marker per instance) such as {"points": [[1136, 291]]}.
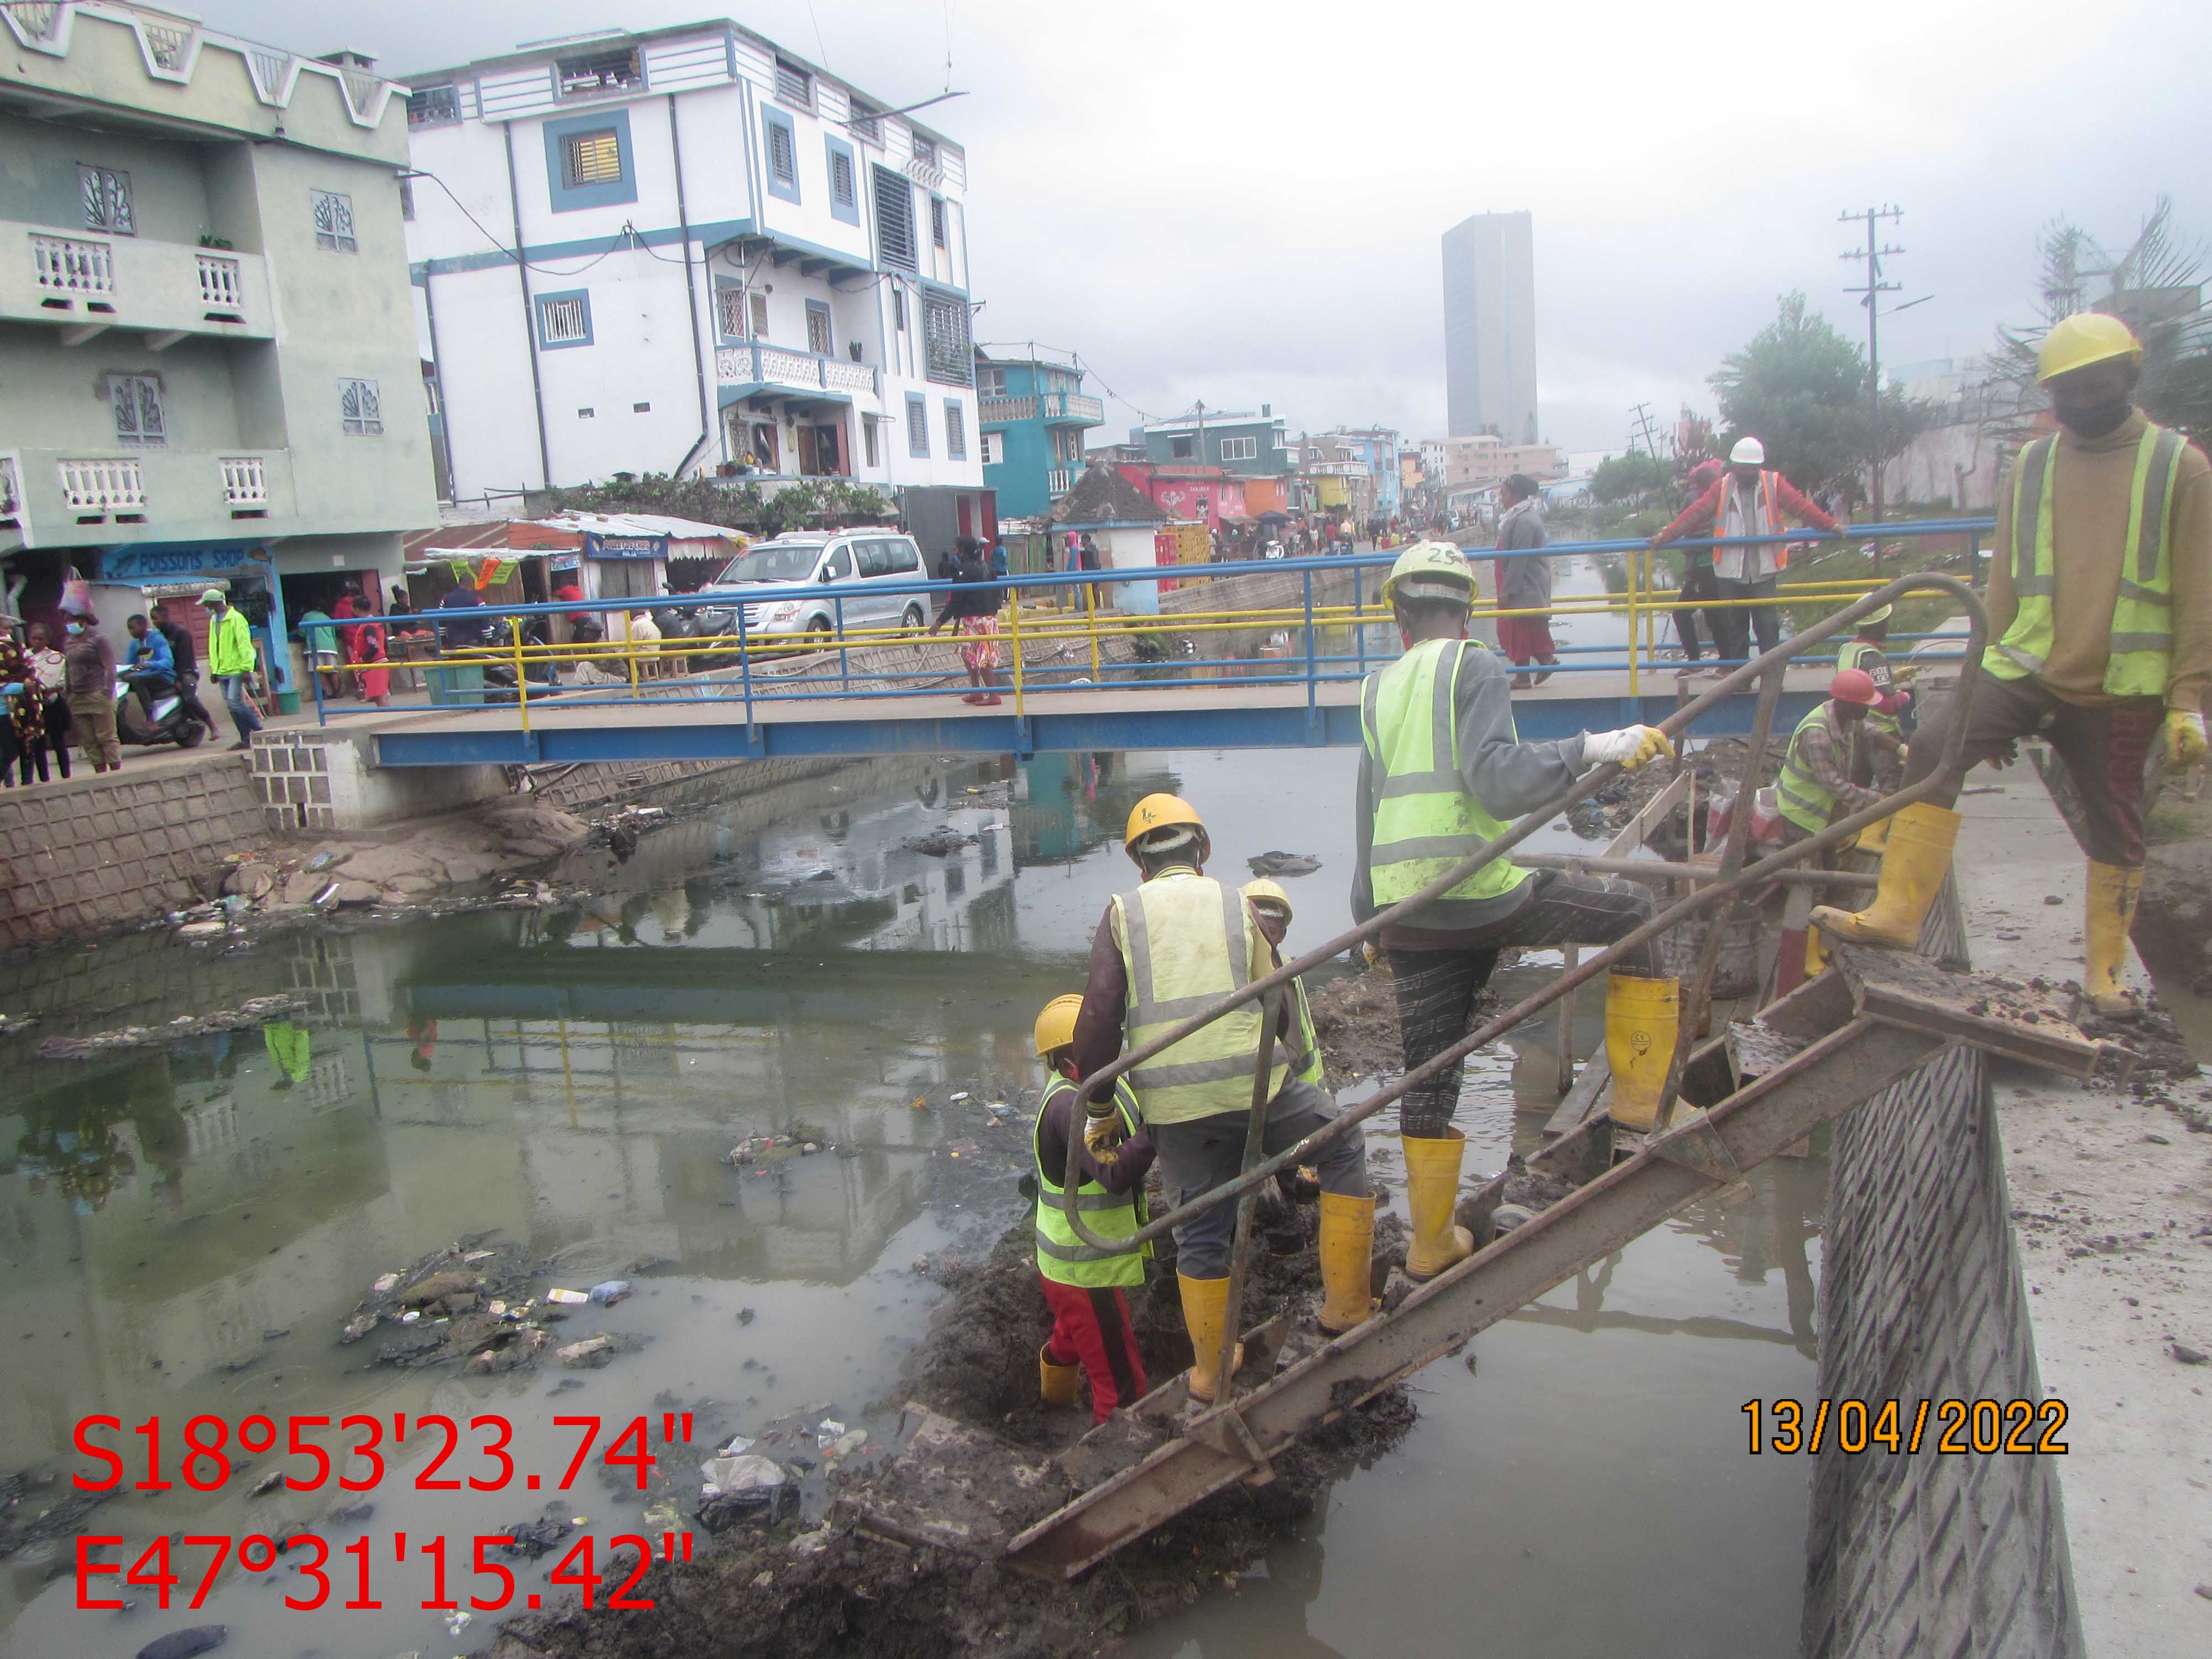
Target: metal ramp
{"points": [[1870, 1020]]}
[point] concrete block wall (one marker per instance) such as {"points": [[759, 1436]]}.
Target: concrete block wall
{"points": [[311, 779], [90, 855], [1922, 1299]]}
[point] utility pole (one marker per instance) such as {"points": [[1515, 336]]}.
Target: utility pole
{"points": [[1643, 415], [1874, 253]]}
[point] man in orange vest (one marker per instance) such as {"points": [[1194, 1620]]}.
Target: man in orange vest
{"points": [[1748, 501]]}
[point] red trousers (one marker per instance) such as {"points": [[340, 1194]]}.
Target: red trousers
{"points": [[1092, 1326]]}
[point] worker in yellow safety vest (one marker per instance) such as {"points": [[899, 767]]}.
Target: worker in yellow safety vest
{"points": [[1442, 769], [1814, 787], [1272, 905], [1882, 734], [1162, 953], [2100, 603], [1086, 1292]]}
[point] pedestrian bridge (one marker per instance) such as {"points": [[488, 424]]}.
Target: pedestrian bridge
{"points": [[1239, 656]]}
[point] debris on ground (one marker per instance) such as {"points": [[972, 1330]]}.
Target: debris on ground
{"points": [[183, 1644], [470, 1301], [256, 1011], [1282, 864], [939, 843]]}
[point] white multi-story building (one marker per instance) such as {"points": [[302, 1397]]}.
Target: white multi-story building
{"points": [[729, 261]]}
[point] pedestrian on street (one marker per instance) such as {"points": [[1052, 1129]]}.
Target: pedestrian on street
{"points": [[1429, 797], [364, 647], [22, 709], [184, 653], [53, 689], [1090, 1326], [1698, 583], [230, 660], [320, 641], [88, 662], [1525, 584], [2100, 603], [973, 607], [1000, 566], [469, 628], [1175, 943], [1748, 500]]}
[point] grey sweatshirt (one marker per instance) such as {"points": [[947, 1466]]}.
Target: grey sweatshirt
{"points": [[1508, 776]]}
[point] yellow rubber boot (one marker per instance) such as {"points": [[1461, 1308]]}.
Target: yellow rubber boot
{"points": [[1055, 1384], [1431, 1192], [1875, 838], [1204, 1310], [1642, 1018], [1347, 1249], [1816, 953], [2112, 911], [1921, 838]]}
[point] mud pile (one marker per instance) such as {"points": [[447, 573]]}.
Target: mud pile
{"points": [[786, 1587]]}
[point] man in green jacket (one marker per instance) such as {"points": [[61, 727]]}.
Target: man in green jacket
{"points": [[230, 660]]}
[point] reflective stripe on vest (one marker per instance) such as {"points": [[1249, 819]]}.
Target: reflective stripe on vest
{"points": [[2142, 611], [1305, 1064], [1062, 1256], [1850, 656], [1425, 821], [1805, 803], [1186, 941]]}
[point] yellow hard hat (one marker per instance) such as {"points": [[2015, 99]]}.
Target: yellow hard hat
{"points": [[2086, 337], [1429, 570], [1880, 613], [1164, 811], [1271, 891], [1055, 1025]]}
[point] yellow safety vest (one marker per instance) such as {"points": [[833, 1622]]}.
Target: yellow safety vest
{"points": [[1425, 820], [1305, 1064], [1805, 803], [1853, 652], [2142, 614], [1185, 940], [1062, 1256]]}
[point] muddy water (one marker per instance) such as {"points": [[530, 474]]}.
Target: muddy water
{"points": [[187, 1228]]}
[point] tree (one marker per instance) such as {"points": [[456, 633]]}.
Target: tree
{"points": [[1801, 388], [1631, 479], [2155, 288]]}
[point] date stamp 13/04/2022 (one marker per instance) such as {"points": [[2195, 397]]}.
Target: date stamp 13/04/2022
{"points": [[2013, 1428]]}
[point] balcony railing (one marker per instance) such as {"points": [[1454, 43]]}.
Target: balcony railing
{"points": [[87, 283], [1058, 482], [219, 285], [245, 481], [11, 496], [102, 483], [1052, 405], [753, 362], [70, 268]]}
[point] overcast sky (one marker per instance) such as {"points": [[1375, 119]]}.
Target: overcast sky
{"points": [[1243, 202]]}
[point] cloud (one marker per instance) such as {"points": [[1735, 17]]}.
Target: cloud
{"points": [[1243, 202]]}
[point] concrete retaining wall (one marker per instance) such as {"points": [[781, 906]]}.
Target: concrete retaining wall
{"points": [[89, 854], [1922, 1299]]}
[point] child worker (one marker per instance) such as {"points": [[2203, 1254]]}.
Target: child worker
{"points": [[1091, 1327]]}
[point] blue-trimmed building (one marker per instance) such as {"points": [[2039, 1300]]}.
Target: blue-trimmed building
{"points": [[732, 263], [1035, 414]]}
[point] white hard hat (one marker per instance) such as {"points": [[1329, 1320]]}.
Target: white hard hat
{"points": [[1749, 451]]}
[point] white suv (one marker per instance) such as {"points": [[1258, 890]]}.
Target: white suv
{"points": [[853, 562]]}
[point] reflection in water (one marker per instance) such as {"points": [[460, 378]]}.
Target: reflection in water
{"points": [[186, 1227]]}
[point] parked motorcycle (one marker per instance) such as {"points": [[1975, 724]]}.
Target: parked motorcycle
{"points": [[141, 727]]}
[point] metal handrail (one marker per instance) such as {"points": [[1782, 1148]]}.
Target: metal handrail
{"points": [[1588, 784]]}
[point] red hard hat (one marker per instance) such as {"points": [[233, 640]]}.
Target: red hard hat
{"points": [[1854, 685]]}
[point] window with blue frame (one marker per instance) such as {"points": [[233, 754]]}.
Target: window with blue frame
{"points": [[589, 162], [956, 430], [917, 426], [844, 182], [564, 319], [781, 149]]}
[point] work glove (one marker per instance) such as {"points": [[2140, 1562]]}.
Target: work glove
{"points": [[2184, 737], [1101, 1136], [1633, 745]]}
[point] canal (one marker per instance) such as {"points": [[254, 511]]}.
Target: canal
{"points": [[188, 1227]]}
